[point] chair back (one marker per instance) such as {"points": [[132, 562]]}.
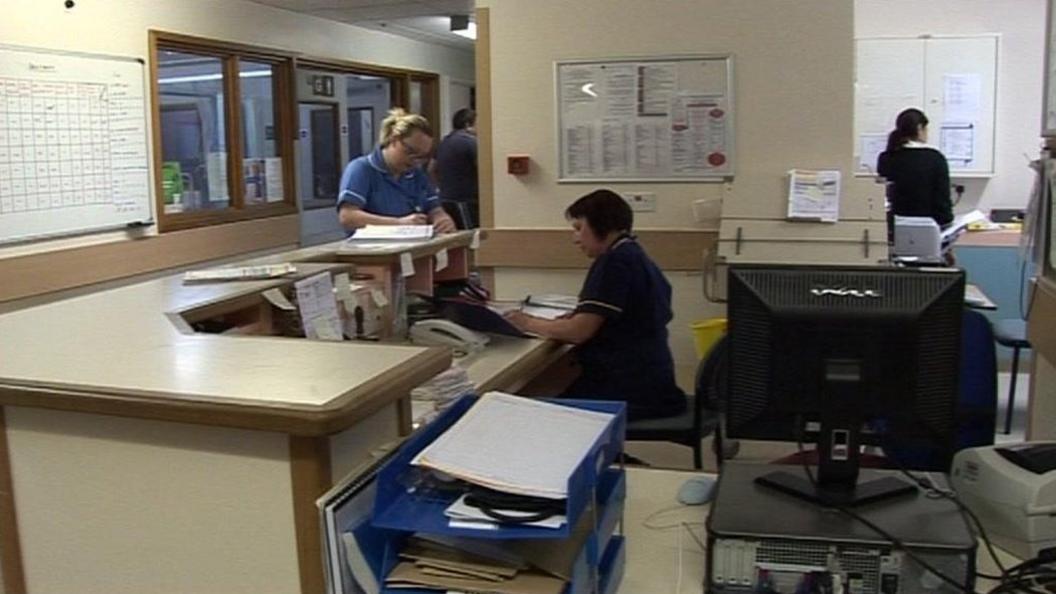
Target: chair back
{"points": [[977, 400]]}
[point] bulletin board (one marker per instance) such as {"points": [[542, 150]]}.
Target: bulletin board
{"points": [[953, 79], [667, 118], [73, 143]]}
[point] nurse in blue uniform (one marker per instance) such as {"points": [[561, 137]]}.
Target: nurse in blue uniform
{"points": [[619, 326], [389, 186]]}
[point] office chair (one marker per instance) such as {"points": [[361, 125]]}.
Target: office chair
{"points": [[976, 405], [702, 412], [460, 213], [1013, 334]]}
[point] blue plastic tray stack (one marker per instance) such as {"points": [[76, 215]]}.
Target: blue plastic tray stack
{"points": [[596, 487]]}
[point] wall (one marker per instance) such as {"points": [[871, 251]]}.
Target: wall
{"points": [[1021, 24], [794, 100], [120, 28]]}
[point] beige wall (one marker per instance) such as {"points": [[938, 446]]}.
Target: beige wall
{"points": [[120, 27], [793, 77], [1021, 25]]}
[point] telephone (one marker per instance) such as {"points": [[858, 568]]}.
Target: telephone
{"points": [[438, 332]]}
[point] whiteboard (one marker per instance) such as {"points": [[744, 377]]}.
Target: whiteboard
{"points": [[952, 79], [73, 143], [645, 119]]}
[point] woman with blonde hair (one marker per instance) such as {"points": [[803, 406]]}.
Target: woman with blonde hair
{"points": [[388, 186]]}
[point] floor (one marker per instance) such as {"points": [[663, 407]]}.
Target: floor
{"points": [[668, 455]]}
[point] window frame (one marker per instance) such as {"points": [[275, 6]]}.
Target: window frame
{"points": [[399, 96], [283, 100]]}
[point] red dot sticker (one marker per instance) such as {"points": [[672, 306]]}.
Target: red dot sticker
{"points": [[716, 159], [716, 113]]}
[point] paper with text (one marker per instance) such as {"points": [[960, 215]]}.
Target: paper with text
{"points": [[516, 445], [814, 195], [315, 299]]}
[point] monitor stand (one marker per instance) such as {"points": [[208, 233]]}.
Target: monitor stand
{"points": [[839, 442], [861, 494]]}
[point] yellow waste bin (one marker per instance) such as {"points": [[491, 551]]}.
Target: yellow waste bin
{"points": [[706, 333]]}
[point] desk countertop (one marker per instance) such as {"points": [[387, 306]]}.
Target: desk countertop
{"points": [[128, 351], [1002, 238], [654, 563], [119, 351]]}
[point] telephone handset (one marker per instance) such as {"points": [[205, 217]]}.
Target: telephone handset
{"points": [[437, 332]]}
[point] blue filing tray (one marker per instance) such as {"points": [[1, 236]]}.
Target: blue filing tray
{"points": [[611, 571], [396, 508], [611, 492]]}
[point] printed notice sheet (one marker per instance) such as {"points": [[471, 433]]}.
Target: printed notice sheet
{"points": [[814, 195]]}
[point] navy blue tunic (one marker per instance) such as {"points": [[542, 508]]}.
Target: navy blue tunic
{"points": [[629, 358]]}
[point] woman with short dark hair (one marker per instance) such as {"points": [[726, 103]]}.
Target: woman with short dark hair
{"points": [[619, 326], [917, 174]]}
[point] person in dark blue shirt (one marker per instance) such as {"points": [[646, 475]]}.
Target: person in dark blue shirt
{"points": [[388, 186], [455, 166], [619, 326]]}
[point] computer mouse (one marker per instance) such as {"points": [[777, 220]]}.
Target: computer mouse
{"points": [[696, 491]]}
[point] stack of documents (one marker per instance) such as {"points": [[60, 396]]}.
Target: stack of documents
{"points": [[960, 224], [428, 400], [239, 273], [393, 232], [434, 565], [516, 445], [814, 195], [549, 306], [445, 386]]}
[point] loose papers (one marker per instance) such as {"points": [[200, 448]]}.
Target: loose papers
{"points": [[814, 195], [516, 445]]}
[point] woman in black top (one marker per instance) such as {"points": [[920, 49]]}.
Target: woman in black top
{"points": [[917, 174], [619, 326]]}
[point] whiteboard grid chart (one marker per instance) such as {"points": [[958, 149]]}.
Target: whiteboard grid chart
{"points": [[55, 148], [73, 153]]}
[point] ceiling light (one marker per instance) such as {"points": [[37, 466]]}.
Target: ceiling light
{"points": [[208, 77]]}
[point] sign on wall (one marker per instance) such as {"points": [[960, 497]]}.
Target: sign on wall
{"points": [[645, 119]]}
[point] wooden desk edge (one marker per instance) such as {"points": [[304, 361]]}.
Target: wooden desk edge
{"points": [[339, 414], [526, 368]]}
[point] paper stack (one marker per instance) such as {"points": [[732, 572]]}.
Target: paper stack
{"points": [[239, 273], [435, 566], [549, 306], [516, 445], [394, 232]]}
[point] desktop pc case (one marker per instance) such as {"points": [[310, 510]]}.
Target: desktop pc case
{"points": [[763, 541]]}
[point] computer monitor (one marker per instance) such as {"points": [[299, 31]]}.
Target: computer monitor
{"points": [[844, 356]]}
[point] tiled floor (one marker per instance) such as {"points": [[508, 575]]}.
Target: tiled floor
{"points": [[667, 455]]}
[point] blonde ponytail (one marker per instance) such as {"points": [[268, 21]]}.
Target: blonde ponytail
{"points": [[400, 124]]}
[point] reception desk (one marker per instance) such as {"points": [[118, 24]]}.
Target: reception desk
{"points": [[140, 456]]}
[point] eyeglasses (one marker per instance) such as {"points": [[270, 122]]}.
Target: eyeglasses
{"points": [[413, 152]]}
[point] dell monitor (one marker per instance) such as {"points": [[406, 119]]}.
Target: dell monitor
{"points": [[844, 357]]}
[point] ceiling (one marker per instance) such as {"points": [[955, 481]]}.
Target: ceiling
{"points": [[424, 20]]}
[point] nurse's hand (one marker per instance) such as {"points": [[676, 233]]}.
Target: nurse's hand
{"points": [[443, 223], [413, 219], [519, 319]]}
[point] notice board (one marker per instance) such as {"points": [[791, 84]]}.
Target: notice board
{"points": [[645, 119]]}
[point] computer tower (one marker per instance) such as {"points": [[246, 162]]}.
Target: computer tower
{"points": [[761, 541]]}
